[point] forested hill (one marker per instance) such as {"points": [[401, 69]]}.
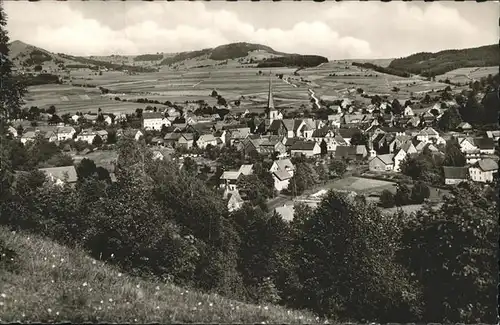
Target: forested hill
{"points": [[432, 64]]}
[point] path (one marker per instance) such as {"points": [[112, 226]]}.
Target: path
{"points": [[316, 100]]}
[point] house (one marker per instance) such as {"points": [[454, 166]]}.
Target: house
{"points": [[327, 135], [485, 145], [347, 134], [467, 144], [271, 145], [397, 142], [334, 120], [281, 179], [427, 135], [103, 134], [346, 152], [406, 149], [154, 121], [108, 120], [75, 118], [61, 175], [237, 135], [471, 157], [408, 111], [50, 136], [414, 122], [229, 180], [381, 163], [282, 171], [90, 117], [132, 133], [186, 140], [306, 148], [483, 170], [65, 133], [455, 175], [206, 139], [286, 212], [495, 135], [28, 136], [464, 126], [87, 136], [234, 200], [246, 170], [361, 151], [12, 130]]}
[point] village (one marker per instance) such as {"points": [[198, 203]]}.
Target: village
{"points": [[372, 143]]}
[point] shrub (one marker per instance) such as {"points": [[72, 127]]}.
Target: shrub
{"points": [[387, 199]]}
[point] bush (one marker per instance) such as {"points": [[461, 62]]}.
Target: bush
{"points": [[419, 193], [386, 199]]}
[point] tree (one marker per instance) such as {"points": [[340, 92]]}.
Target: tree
{"points": [[419, 193], [214, 94], [51, 109], [366, 282], [453, 250], [111, 137], [97, 142], [138, 112], [402, 196], [449, 120], [324, 147], [337, 167], [37, 68], [386, 199], [396, 107], [359, 139], [453, 154], [13, 89], [85, 169]]}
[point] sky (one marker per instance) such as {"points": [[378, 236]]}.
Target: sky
{"points": [[336, 30]]}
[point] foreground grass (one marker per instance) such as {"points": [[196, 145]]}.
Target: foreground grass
{"points": [[42, 281]]}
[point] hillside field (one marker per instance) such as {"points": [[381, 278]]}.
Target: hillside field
{"points": [[231, 82], [41, 281]]}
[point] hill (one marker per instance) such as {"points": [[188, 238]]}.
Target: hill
{"points": [[28, 57], [246, 53], [432, 64], [45, 282]]}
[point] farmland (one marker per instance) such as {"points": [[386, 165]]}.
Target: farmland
{"points": [[332, 80], [465, 75]]}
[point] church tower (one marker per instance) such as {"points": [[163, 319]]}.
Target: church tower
{"points": [[273, 113]]}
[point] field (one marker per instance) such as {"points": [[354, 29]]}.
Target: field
{"points": [[233, 82], [465, 75], [48, 283]]}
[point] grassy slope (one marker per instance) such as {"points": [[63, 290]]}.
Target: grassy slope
{"points": [[46, 282]]}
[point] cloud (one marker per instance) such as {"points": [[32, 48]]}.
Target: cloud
{"points": [[337, 30]]}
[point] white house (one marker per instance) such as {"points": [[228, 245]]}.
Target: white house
{"points": [[429, 135], [467, 145], [154, 121], [455, 175], [28, 136], [75, 118], [65, 133], [483, 171], [61, 175], [87, 136], [408, 111], [206, 139], [406, 149], [282, 171]]}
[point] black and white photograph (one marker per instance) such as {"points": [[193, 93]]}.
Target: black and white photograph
{"points": [[272, 162]]}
